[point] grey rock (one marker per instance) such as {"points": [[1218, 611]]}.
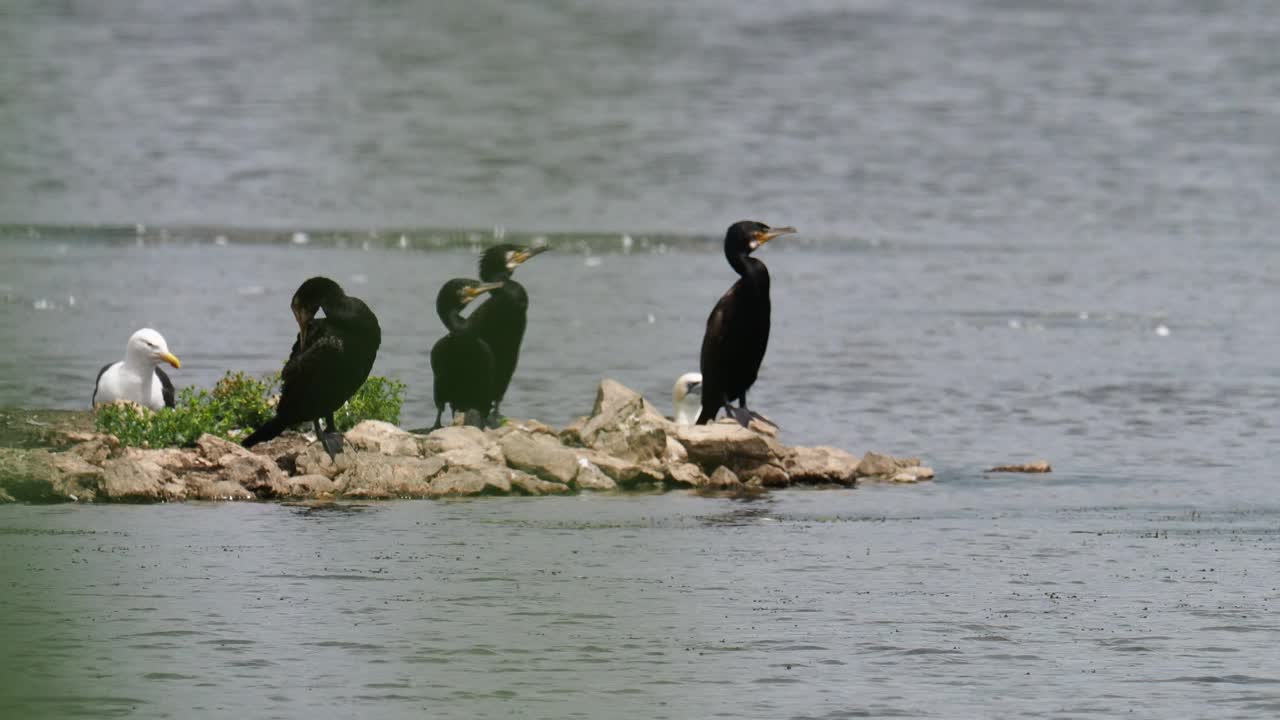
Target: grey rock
{"points": [[723, 479], [687, 475], [540, 455], [284, 450], [623, 424], [207, 486], [315, 461], [591, 477], [529, 485], [823, 465], [311, 486], [373, 475], [463, 481], [138, 480], [571, 435], [383, 437], [876, 464]]}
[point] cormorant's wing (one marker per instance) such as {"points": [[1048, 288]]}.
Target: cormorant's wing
{"points": [[94, 400], [309, 372], [716, 339], [166, 389]]}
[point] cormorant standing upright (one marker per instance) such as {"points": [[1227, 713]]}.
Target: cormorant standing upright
{"points": [[738, 327], [501, 320], [461, 362], [331, 359]]}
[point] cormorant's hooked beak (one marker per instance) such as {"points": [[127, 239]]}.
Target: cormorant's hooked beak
{"points": [[763, 236], [471, 292], [303, 317], [170, 358], [519, 257]]}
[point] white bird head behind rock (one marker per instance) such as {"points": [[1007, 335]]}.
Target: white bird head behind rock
{"points": [[147, 348], [686, 396]]}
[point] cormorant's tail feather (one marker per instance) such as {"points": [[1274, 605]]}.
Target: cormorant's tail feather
{"points": [[271, 429]]}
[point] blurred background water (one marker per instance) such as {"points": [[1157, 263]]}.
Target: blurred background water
{"points": [[1028, 230]]}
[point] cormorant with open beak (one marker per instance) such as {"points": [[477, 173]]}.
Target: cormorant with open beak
{"points": [[331, 359], [501, 320], [461, 362], [738, 327]]}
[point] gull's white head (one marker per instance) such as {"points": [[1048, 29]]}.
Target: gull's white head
{"points": [[147, 347], [686, 395]]}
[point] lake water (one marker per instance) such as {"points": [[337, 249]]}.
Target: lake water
{"points": [[1027, 231]]}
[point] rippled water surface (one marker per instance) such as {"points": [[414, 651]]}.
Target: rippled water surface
{"points": [[1028, 230]]}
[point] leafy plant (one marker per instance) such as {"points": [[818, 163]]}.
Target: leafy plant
{"points": [[236, 404]]}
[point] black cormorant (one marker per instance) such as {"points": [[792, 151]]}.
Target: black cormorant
{"points": [[500, 321], [138, 377], [331, 359], [738, 328], [461, 362]]}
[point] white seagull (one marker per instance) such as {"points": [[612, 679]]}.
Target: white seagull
{"points": [[687, 398], [138, 377]]}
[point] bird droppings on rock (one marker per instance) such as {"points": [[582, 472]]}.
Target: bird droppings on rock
{"points": [[624, 445]]}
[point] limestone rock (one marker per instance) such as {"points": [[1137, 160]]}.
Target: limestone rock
{"points": [[175, 460], [1039, 466], [728, 444], [311, 486], [315, 461], [530, 485], [571, 435], [42, 476], [625, 425], [256, 473], [373, 475], [625, 473], [687, 475], [463, 445], [212, 447], [383, 437], [138, 480], [675, 452], [873, 464], [207, 486], [825, 465], [97, 448], [463, 481], [284, 450], [540, 455], [912, 474], [591, 477], [723, 479]]}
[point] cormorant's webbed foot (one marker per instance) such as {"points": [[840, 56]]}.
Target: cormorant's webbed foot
{"points": [[474, 418], [745, 415], [332, 444]]}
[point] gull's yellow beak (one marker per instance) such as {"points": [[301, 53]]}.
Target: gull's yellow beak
{"points": [[171, 359], [764, 236]]}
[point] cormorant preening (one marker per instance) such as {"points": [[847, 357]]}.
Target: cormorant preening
{"points": [[738, 328], [462, 363], [500, 321], [331, 359], [138, 377]]}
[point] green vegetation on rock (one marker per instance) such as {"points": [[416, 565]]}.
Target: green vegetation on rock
{"points": [[237, 404]]}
